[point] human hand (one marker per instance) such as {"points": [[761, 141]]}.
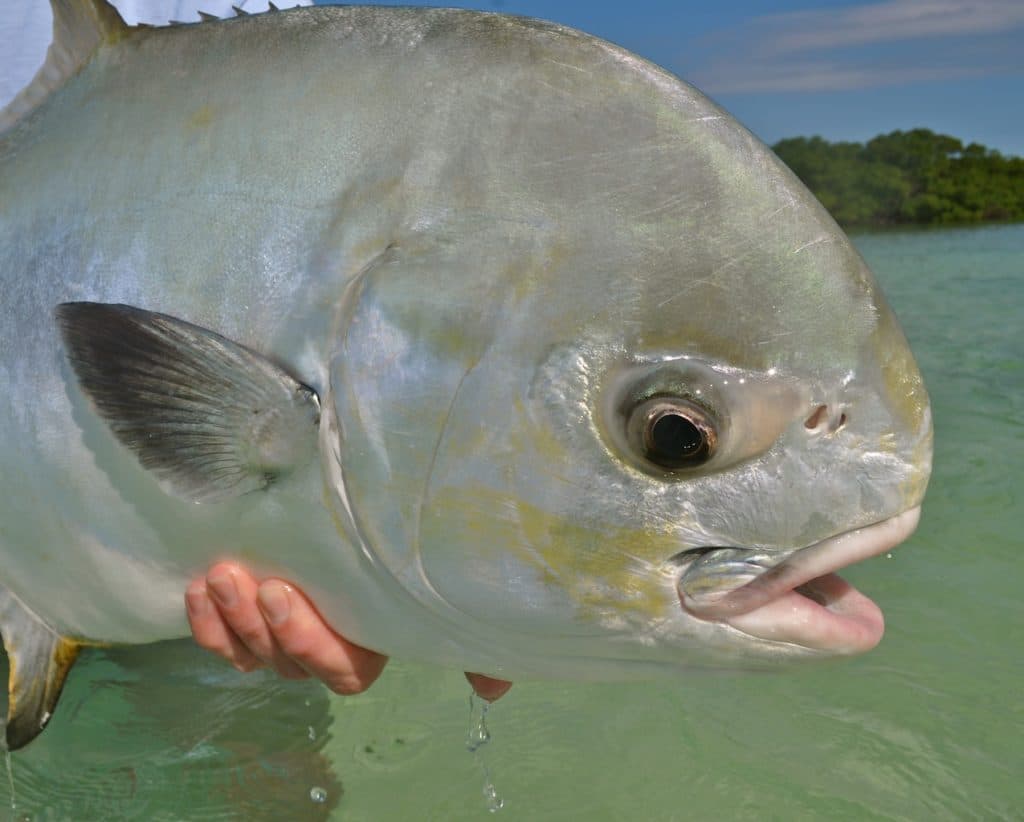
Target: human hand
{"points": [[271, 623]]}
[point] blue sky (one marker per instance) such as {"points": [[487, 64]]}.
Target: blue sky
{"points": [[843, 69]]}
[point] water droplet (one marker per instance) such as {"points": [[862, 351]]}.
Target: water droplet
{"points": [[478, 734], [10, 779], [311, 733], [476, 739], [494, 802], [888, 556], [318, 795]]}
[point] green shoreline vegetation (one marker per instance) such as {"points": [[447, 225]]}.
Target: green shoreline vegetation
{"points": [[914, 177]]}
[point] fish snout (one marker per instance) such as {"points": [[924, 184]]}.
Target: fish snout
{"points": [[797, 598]]}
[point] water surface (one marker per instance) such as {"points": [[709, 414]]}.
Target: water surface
{"points": [[928, 726]]}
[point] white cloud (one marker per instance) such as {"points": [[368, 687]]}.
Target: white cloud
{"points": [[811, 76], [885, 22], [875, 44]]}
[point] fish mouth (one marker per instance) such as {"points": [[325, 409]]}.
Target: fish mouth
{"points": [[801, 600]]}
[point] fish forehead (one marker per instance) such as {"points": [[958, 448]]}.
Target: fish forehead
{"points": [[695, 238], [652, 211]]}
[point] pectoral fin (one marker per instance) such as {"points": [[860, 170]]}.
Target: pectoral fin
{"points": [[210, 418], [39, 663]]}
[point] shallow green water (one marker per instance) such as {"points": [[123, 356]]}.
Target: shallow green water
{"points": [[928, 726]]}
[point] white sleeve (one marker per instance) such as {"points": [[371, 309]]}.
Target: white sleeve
{"points": [[26, 28], [159, 12]]}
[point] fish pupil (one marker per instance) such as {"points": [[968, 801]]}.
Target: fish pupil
{"points": [[674, 437]]}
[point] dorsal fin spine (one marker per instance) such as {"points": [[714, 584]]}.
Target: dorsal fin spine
{"points": [[80, 27]]}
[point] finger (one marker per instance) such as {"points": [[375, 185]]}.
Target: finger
{"points": [[234, 592], [487, 687], [212, 633], [303, 635]]}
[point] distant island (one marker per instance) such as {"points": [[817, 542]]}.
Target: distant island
{"points": [[912, 177]]}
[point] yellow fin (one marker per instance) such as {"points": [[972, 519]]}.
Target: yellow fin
{"points": [[39, 663], [80, 27]]}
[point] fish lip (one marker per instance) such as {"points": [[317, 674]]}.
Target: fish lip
{"points": [[820, 559]]}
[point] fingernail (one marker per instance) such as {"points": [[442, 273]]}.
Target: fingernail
{"points": [[223, 588], [197, 601], [274, 602]]}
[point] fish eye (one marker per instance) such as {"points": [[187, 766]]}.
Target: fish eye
{"points": [[672, 433]]}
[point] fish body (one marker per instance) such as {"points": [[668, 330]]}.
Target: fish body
{"points": [[546, 356]]}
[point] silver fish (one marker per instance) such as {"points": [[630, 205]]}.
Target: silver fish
{"points": [[511, 349]]}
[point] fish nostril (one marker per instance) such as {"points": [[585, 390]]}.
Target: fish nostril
{"points": [[822, 419], [817, 419]]}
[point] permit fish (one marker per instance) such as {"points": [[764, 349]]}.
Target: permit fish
{"points": [[514, 351]]}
